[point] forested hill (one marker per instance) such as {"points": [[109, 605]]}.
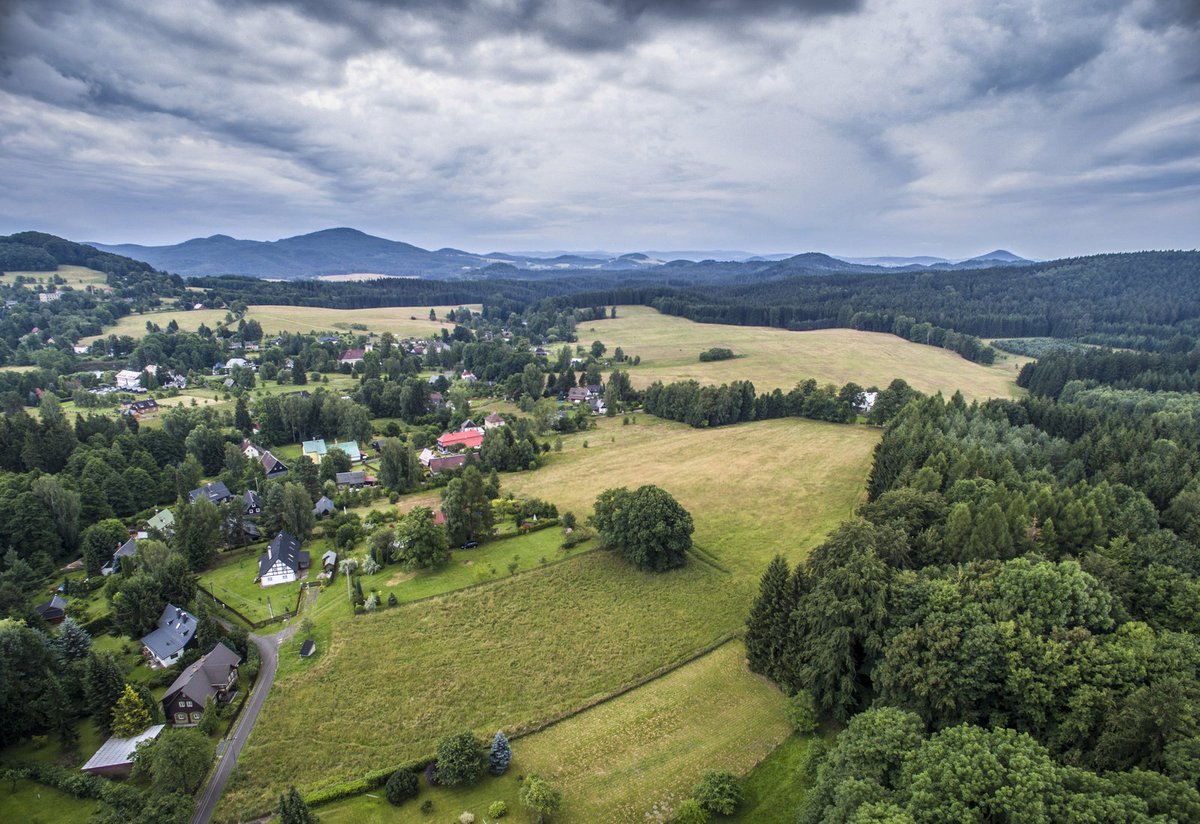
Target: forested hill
{"points": [[1137, 300], [40, 252]]}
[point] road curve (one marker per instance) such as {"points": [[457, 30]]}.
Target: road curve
{"points": [[268, 650]]}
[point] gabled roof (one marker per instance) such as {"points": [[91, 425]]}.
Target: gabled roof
{"points": [[324, 505], [172, 633], [350, 448], [448, 462], [202, 679], [162, 521], [308, 648], [353, 478], [470, 440], [215, 492], [118, 752], [272, 464], [284, 548], [56, 604], [330, 557], [577, 393], [316, 446], [251, 499], [494, 418], [353, 354]]}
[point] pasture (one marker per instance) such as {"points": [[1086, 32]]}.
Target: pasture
{"points": [[641, 751], [134, 325], [77, 277], [401, 321], [670, 349], [534, 646]]}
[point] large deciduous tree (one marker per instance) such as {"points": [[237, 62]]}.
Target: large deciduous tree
{"points": [[647, 526]]}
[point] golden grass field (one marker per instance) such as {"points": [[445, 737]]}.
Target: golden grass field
{"points": [[636, 753], [77, 277], [189, 321], [401, 321], [534, 646], [670, 350]]}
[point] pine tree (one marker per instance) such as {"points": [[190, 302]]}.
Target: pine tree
{"points": [[129, 716], [104, 683], [241, 417], [500, 754], [293, 810], [73, 640], [769, 623]]}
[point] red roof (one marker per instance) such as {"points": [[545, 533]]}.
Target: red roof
{"points": [[439, 518], [353, 354], [470, 440]]}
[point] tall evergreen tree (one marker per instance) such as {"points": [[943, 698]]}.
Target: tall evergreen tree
{"points": [[500, 754], [103, 685], [293, 810], [129, 716], [769, 624]]}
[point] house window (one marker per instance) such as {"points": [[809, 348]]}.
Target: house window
{"points": [[181, 718], [195, 718], [187, 704]]}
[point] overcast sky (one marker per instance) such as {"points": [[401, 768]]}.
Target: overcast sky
{"points": [[946, 127]]}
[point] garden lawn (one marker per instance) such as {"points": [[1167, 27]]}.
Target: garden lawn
{"points": [[232, 581], [527, 648], [35, 803], [628, 759], [401, 321], [670, 350]]}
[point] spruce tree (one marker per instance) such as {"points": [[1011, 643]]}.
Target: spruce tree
{"points": [[293, 810], [73, 640], [500, 754], [129, 716], [770, 618], [103, 685], [241, 417]]}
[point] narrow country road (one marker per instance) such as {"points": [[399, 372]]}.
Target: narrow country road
{"points": [[268, 650]]}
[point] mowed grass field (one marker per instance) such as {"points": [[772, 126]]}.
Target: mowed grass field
{"points": [[402, 321], [639, 752], [386, 686], [134, 325], [670, 350], [232, 580], [77, 277]]}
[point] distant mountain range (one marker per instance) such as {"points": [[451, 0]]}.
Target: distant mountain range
{"points": [[349, 251]]}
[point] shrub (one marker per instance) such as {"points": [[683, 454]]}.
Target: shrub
{"points": [[459, 759], [497, 809], [719, 792], [802, 712], [466, 818], [540, 797], [402, 786], [427, 806], [689, 811]]}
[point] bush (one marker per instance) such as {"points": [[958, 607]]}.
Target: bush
{"points": [[802, 712], [689, 811], [402, 786], [719, 792], [427, 806], [497, 809], [466, 818], [715, 354], [459, 759]]}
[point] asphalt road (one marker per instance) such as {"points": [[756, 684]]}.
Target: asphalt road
{"points": [[268, 649]]}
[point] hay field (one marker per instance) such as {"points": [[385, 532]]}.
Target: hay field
{"points": [[77, 277], [134, 325], [670, 349], [401, 321], [533, 646], [616, 762]]}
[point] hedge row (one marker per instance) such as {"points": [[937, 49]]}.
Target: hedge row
{"points": [[371, 781], [72, 782]]}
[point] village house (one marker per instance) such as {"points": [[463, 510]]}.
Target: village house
{"points": [[125, 550], [129, 380], [354, 480], [213, 677], [163, 521], [467, 440], [351, 357], [145, 407], [273, 468], [283, 562], [329, 561], [314, 449], [251, 450], [216, 492], [171, 635], [323, 507], [447, 462], [252, 501], [493, 421], [577, 394], [53, 611]]}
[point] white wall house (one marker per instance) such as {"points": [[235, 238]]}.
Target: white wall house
{"points": [[283, 562], [128, 379]]}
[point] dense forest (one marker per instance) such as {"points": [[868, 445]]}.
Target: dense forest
{"points": [[1016, 606]]}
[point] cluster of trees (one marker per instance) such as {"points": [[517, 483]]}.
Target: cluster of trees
{"points": [[716, 353], [736, 402], [1172, 371], [1001, 598], [646, 526]]}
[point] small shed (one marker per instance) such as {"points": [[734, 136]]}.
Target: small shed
{"points": [[115, 756], [53, 611], [308, 648]]}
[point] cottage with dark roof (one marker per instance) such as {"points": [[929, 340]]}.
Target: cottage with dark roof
{"points": [[171, 635], [216, 492], [283, 562], [252, 501], [213, 676], [125, 550], [354, 480], [437, 465], [273, 468], [53, 611], [324, 506]]}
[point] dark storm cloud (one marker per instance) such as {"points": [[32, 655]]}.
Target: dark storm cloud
{"points": [[576, 25]]}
